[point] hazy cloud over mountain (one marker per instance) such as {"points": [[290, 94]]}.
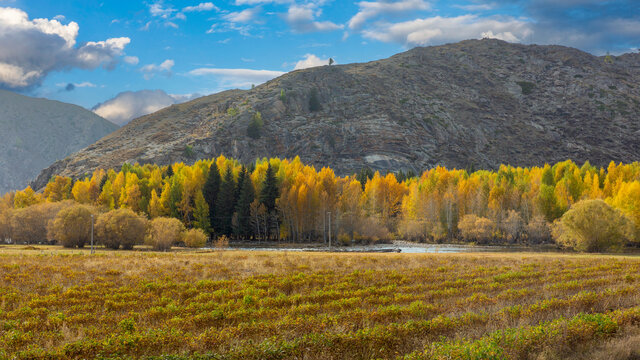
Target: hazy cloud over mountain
{"points": [[129, 105]]}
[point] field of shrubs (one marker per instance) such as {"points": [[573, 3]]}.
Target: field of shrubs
{"points": [[67, 304]]}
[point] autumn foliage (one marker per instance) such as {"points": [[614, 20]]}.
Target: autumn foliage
{"points": [[285, 200]]}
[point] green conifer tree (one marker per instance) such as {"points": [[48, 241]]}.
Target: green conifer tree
{"points": [[243, 209], [210, 192], [225, 204]]}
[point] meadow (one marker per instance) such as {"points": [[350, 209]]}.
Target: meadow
{"points": [[66, 304]]}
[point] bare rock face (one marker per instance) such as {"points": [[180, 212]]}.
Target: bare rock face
{"points": [[36, 132], [473, 104]]}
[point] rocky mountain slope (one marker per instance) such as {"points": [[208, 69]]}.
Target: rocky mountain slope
{"points": [[477, 103], [36, 132]]}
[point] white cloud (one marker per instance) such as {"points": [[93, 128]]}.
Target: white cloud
{"points": [[85, 84], [437, 30], [157, 10], [152, 69], [301, 18], [243, 16], [129, 105], [255, 2], [40, 46], [208, 6], [310, 60], [131, 60], [477, 7], [371, 9], [237, 77]]}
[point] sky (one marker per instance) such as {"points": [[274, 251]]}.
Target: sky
{"points": [[123, 59]]}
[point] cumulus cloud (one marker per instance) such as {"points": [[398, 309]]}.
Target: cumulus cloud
{"points": [[129, 105], [208, 6], [40, 46], [244, 16], [302, 19], [157, 10], [438, 30], [131, 60], [237, 77], [311, 60], [152, 69], [255, 2], [372, 9]]}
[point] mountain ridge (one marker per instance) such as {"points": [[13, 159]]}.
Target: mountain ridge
{"points": [[35, 132], [472, 104]]}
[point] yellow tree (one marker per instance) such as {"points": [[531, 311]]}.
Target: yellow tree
{"points": [[26, 197], [131, 196], [81, 191], [58, 189], [627, 199], [156, 208]]}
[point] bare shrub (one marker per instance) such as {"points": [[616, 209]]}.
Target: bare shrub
{"points": [[164, 232], [478, 229], [29, 224], [121, 227], [194, 238], [72, 226], [538, 230], [512, 226], [222, 242]]}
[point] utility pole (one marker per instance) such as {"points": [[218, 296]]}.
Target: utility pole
{"points": [[92, 251], [329, 230]]}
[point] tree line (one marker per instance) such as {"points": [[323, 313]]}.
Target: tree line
{"points": [[285, 200]]}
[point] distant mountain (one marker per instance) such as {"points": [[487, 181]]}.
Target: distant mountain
{"points": [[36, 132], [473, 104]]}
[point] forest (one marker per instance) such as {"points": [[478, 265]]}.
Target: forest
{"points": [[585, 207]]}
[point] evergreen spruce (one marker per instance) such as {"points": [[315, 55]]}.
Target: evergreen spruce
{"points": [[225, 204], [364, 175], [243, 209], [269, 192], [210, 192]]}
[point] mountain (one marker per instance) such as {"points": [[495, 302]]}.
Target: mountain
{"points": [[36, 132], [473, 104]]}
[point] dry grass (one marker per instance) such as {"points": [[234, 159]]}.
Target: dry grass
{"points": [[59, 303]]}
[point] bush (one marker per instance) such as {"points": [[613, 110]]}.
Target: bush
{"points": [[526, 87], [593, 225], [72, 226], [121, 227], [512, 226], [538, 230], [5, 223], [164, 232], [254, 130], [222, 242], [194, 238], [478, 229], [314, 101], [29, 224]]}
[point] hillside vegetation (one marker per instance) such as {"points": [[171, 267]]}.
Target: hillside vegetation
{"points": [[252, 305], [474, 104], [586, 208]]}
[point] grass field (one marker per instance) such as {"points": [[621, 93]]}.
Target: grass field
{"points": [[62, 304]]}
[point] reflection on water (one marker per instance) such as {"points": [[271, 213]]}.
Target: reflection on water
{"points": [[396, 246]]}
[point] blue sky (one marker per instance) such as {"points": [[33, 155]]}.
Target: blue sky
{"points": [[116, 52]]}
